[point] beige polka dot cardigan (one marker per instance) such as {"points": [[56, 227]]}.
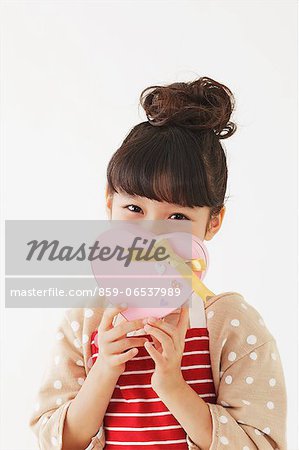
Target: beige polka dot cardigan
{"points": [[251, 407]]}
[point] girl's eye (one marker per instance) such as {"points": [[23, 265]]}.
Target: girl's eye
{"points": [[132, 208], [181, 216]]}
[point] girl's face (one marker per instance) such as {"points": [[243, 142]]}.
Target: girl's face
{"points": [[123, 206]]}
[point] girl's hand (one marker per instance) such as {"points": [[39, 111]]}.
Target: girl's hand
{"points": [[113, 342], [167, 353]]}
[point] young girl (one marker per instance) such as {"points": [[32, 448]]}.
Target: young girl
{"points": [[207, 377]]}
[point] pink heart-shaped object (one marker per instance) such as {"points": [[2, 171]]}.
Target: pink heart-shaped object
{"points": [[151, 288]]}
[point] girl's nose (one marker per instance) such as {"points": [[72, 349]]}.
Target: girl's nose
{"points": [[153, 217], [151, 223]]}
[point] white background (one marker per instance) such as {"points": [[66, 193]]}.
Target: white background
{"points": [[71, 75]]}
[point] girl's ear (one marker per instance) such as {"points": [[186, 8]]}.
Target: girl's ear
{"points": [[108, 202], [214, 225]]}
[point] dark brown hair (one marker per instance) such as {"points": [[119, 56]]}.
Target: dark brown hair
{"points": [[176, 155]]}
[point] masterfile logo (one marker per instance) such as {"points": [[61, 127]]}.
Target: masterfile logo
{"points": [[68, 263]]}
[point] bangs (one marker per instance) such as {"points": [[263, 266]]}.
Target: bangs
{"points": [[162, 167]]}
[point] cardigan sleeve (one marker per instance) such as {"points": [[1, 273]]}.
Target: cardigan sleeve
{"points": [[62, 379], [250, 412]]}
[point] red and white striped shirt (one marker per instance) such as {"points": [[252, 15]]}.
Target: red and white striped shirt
{"points": [[136, 416]]}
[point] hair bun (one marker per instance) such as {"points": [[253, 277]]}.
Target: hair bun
{"points": [[203, 104]]}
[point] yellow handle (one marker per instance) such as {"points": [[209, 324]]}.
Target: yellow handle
{"points": [[197, 264]]}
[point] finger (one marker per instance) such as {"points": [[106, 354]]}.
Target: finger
{"points": [[123, 344], [165, 340], [123, 328], [108, 316], [165, 326], [124, 357], [157, 357], [168, 328], [156, 344], [183, 319]]}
